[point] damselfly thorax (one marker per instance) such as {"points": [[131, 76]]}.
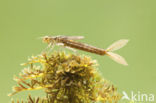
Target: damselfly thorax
{"points": [[70, 42]]}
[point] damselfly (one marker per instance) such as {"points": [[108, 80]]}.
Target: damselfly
{"points": [[70, 42]]}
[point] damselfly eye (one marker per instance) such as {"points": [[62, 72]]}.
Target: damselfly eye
{"points": [[46, 39]]}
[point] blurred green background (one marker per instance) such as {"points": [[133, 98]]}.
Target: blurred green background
{"points": [[101, 22]]}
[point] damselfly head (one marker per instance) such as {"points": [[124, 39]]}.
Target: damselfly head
{"points": [[46, 39]]}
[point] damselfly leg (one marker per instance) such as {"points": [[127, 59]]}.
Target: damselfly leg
{"points": [[50, 47]]}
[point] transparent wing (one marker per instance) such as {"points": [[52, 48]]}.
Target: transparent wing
{"points": [[73, 37], [119, 59], [64, 37], [117, 45]]}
